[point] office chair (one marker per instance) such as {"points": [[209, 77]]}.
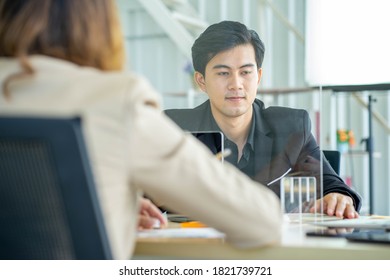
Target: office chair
{"points": [[333, 157], [48, 203]]}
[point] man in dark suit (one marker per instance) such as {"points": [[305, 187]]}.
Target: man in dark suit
{"points": [[265, 142]]}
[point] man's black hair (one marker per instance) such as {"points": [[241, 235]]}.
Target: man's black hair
{"points": [[224, 36]]}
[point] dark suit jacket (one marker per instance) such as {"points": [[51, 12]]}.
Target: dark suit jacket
{"points": [[283, 140]]}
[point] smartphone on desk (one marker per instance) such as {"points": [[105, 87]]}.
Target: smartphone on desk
{"points": [[329, 232], [339, 232], [371, 237]]}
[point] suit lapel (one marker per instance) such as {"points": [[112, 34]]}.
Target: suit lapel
{"points": [[268, 164], [207, 122], [263, 143]]}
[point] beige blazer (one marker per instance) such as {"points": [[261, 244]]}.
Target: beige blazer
{"points": [[135, 149]]}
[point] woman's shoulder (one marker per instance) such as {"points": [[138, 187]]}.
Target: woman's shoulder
{"points": [[93, 80]]}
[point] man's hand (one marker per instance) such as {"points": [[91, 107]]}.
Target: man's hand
{"points": [[149, 214], [336, 204]]}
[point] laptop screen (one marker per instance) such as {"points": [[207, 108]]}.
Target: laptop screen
{"points": [[214, 140]]}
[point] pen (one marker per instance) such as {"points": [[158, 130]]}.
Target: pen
{"points": [[277, 179], [157, 223], [225, 153], [193, 224]]}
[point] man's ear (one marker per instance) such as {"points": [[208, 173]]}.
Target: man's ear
{"points": [[199, 79], [259, 75]]}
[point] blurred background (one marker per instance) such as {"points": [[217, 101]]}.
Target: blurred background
{"points": [[321, 55]]}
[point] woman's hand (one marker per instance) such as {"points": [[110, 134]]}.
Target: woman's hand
{"points": [[150, 215]]}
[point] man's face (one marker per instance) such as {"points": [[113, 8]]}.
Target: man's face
{"points": [[231, 80]]}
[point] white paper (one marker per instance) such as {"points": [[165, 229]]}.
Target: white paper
{"points": [[181, 233], [361, 222]]}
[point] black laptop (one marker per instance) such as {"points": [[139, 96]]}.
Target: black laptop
{"points": [[214, 140]]}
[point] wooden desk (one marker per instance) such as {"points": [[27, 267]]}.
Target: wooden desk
{"points": [[295, 245]]}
